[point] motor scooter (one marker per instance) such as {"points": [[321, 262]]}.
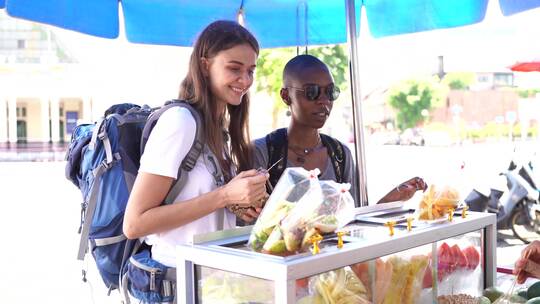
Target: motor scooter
{"points": [[517, 207]]}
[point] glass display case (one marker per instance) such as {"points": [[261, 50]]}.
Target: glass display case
{"points": [[421, 262]]}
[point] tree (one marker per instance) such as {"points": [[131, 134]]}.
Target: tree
{"points": [[269, 76], [411, 97], [270, 69], [527, 93], [459, 80], [336, 59]]}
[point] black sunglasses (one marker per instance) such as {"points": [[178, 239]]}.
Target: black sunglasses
{"points": [[313, 91]]}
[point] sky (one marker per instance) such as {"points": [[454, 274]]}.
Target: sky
{"points": [[489, 46]]}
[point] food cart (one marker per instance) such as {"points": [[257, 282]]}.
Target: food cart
{"points": [[219, 267]]}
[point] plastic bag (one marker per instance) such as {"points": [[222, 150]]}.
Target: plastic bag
{"points": [[437, 202], [294, 184], [406, 280], [324, 209], [221, 287], [339, 286], [380, 282]]}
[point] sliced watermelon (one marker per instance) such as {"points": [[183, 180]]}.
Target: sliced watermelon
{"points": [[473, 257], [459, 257], [446, 263]]}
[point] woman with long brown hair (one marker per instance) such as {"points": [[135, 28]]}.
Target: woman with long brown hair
{"points": [[220, 74]]}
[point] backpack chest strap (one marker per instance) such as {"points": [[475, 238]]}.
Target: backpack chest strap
{"points": [[337, 156], [276, 145]]}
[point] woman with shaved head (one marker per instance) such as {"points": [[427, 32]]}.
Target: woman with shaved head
{"points": [[309, 91]]}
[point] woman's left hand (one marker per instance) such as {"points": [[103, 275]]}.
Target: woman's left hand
{"points": [[246, 214], [405, 190], [249, 214]]}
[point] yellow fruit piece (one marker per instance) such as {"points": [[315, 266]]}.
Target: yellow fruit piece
{"points": [[417, 266], [405, 284], [340, 286], [424, 215], [437, 201]]}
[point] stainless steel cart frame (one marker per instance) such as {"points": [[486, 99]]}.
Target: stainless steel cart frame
{"points": [[211, 251]]}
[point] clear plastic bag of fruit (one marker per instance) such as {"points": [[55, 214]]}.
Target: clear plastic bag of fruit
{"points": [[293, 185], [437, 202], [340, 286], [222, 287], [322, 211]]}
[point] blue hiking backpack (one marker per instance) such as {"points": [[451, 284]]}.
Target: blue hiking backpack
{"points": [[103, 161]]}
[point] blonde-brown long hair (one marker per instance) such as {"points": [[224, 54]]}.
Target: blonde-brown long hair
{"points": [[195, 88]]}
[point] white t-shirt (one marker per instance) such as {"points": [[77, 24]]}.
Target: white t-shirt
{"points": [[167, 146]]}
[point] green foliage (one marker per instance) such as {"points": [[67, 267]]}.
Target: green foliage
{"points": [[411, 97], [336, 59], [489, 131], [526, 93], [494, 130], [459, 80], [269, 72]]}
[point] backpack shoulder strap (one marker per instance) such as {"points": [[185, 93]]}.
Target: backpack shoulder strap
{"points": [[277, 145], [188, 163], [337, 155]]}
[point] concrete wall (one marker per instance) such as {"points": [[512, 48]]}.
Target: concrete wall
{"points": [[480, 107]]}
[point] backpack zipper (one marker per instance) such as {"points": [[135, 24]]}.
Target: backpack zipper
{"points": [[152, 270], [152, 281]]}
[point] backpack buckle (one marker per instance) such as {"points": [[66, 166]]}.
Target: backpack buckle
{"points": [[105, 164], [102, 135], [191, 159], [198, 145]]}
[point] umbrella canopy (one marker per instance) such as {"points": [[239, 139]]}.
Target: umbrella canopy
{"points": [[529, 66], [275, 23]]}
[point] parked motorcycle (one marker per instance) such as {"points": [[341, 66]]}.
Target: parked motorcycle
{"points": [[517, 207]]}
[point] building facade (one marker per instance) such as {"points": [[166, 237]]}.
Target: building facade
{"points": [[40, 101]]}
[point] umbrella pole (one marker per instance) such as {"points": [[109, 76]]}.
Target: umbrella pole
{"points": [[361, 176]]}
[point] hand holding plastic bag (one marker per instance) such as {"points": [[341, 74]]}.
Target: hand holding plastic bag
{"points": [[323, 210], [291, 187]]}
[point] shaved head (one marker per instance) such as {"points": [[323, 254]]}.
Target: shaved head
{"points": [[299, 66]]}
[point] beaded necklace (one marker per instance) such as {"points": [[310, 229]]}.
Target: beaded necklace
{"points": [[304, 152]]}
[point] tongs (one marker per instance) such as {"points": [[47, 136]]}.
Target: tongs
{"points": [[261, 169], [507, 297]]}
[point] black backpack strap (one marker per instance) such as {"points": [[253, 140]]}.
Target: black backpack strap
{"points": [[194, 152], [276, 144], [337, 156]]}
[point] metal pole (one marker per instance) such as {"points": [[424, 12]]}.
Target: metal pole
{"points": [[356, 104], [489, 253]]}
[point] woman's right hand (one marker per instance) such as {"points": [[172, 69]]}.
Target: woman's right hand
{"points": [[528, 263], [246, 189]]}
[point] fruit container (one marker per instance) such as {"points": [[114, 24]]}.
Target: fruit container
{"points": [[427, 263]]}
